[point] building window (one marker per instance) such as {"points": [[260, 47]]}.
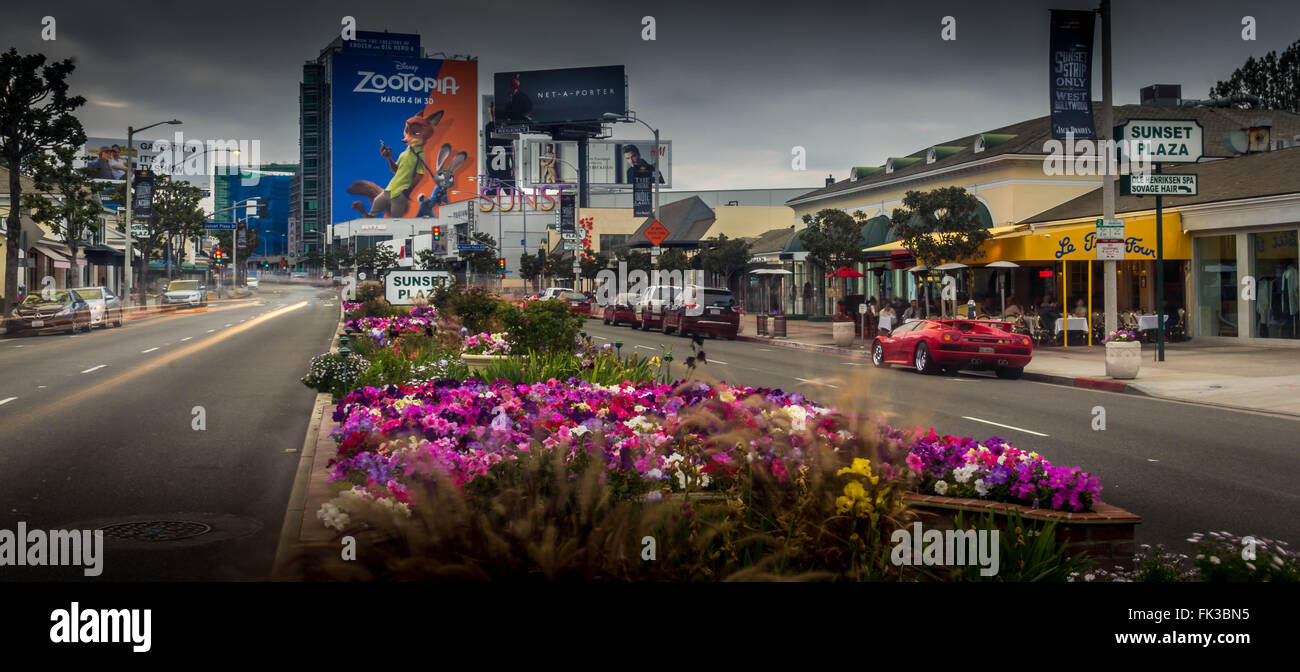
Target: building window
{"points": [[1274, 263], [1216, 285]]}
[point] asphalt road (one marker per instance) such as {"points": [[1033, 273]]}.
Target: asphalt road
{"points": [[99, 429], [1182, 467]]}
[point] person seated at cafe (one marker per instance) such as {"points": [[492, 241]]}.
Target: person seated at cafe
{"points": [[871, 307], [1080, 308], [912, 312], [1048, 311], [1013, 308]]}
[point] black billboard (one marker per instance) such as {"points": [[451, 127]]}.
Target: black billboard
{"points": [[1071, 74], [641, 176], [568, 214], [568, 95], [499, 160]]}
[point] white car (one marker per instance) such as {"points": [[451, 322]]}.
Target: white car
{"points": [[555, 293], [105, 306], [649, 307], [251, 283], [185, 293]]}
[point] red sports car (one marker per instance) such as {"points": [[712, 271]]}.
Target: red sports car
{"points": [[952, 345]]}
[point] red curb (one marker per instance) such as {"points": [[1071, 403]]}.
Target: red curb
{"points": [[1098, 384]]}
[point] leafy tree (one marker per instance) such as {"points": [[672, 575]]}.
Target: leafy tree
{"points": [[377, 260], [67, 205], [430, 260], [674, 259], [543, 326], [35, 115], [530, 267], [559, 265], [724, 256], [176, 212], [1274, 79], [833, 238], [638, 260], [593, 263], [940, 225], [482, 262]]}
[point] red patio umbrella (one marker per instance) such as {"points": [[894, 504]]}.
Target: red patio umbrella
{"points": [[845, 272]]}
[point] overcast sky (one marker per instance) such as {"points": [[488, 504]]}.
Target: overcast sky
{"points": [[735, 85]]}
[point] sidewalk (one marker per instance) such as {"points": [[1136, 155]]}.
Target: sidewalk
{"points": [[1248, 377]]}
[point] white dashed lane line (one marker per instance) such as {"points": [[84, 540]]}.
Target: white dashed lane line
{"points": [[645, 347], [814, 382], [716, 361], [5, 401], [186, 338], [998, 424], [211, 330], [149, 350], [95, 368]]}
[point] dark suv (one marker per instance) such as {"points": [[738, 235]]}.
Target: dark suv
{"points": [[703, 310]]}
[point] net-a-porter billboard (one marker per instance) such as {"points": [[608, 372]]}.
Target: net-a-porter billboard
{"points": [[568, 95], [404, 136]]}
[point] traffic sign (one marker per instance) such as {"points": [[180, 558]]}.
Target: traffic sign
{"points": [[1158, 185], [469, 247], [571, 236], [656, 233], [1161, 140], [219, 226], [656, 250], [1109, 240], [570, 245]]}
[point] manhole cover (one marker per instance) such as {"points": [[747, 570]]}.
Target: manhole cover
{"points": [[156, 530]]}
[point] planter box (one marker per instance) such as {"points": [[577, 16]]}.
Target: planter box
{"points": [[1106, 533], [1123, 359], [477, 363], [843, 333]]}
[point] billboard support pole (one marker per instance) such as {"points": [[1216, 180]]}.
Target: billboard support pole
{"points": [[584, 189], [130, 205]]}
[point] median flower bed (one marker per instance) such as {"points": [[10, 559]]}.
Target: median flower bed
{"points": [[647, 436]]}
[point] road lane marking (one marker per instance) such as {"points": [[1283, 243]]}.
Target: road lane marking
{"points": [[645, 347], [716, 361], [815, 382], [227, 324], [95, 368], [211, 330], [149, 350], [186, 338], [998, 424], [602, 338], [764, 350], [5, 401]]}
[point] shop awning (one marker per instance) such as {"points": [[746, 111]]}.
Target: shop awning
{"points": [[770, 271], [889, 249], [1075, 242]]}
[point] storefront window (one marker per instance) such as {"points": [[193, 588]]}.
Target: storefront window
{"points": [[1274, 256], [1216, 285]]}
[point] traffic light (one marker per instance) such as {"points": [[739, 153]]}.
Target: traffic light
{"points": [[263, 207], [437, 233], [501, 263], [218, 256]]}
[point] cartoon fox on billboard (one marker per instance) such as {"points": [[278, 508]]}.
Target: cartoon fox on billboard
{"points": [[408, 170]]}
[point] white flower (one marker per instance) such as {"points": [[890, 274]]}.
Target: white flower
{"points": [[579, 430], [964, 474], [654, 474], [1214, 560], [941, 487], [332, 516], [798, 416], [981, 488], [1251, 565], [1088, 577]]}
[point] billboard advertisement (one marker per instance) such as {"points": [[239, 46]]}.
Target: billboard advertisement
{"points": [[404, 139], [1071, 74], [610, 163], [106, 159], [569, 95], [400, 44]]}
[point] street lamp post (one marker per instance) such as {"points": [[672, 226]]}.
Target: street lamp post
{"points": [[130, 201], [614, 117]]}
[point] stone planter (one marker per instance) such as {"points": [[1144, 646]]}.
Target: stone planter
{"points": [[843, 333], [1106, 533], [1123, 359], [478, 363]]}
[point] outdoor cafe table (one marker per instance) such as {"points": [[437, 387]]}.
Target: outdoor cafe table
{"points": [[1075, 324], [1146, 322]]}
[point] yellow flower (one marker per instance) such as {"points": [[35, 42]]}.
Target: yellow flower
{"points": [[855, 490], [861, 467], [654, 361]]}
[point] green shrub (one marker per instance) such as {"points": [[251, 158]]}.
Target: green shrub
{"points": [[543, 326], [1028, 551], [478, 308], [601, 368]]}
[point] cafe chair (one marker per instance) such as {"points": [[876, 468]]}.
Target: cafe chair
{"points": [[1178, 332]]}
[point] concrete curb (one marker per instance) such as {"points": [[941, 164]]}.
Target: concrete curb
{"points": [[291, 528], [807, 347], [1089, 383]]}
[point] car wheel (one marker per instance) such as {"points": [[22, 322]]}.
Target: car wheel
{"points": [[921, 359], [878, 354], [1009, 373]]}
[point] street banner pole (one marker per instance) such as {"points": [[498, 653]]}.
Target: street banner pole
{"points": [[1108, 185], [1160, 275]]}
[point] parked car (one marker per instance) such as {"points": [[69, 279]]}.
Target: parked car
{"points": [[105, 306], [579, 302], [952, 345], [185, 294], [621, 309], [57, 310], [703, 310], [251, 283], [651, 304], [554, 293]]}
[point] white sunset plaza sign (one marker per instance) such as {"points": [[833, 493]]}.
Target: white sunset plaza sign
{"points": [[1163, 140]]}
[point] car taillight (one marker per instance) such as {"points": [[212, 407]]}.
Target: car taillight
{"points": [[949, 337], [1023, 341], [692, 305]]}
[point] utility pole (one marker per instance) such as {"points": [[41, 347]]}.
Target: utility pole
{"points": [[130, 205], [1107, 184]]}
